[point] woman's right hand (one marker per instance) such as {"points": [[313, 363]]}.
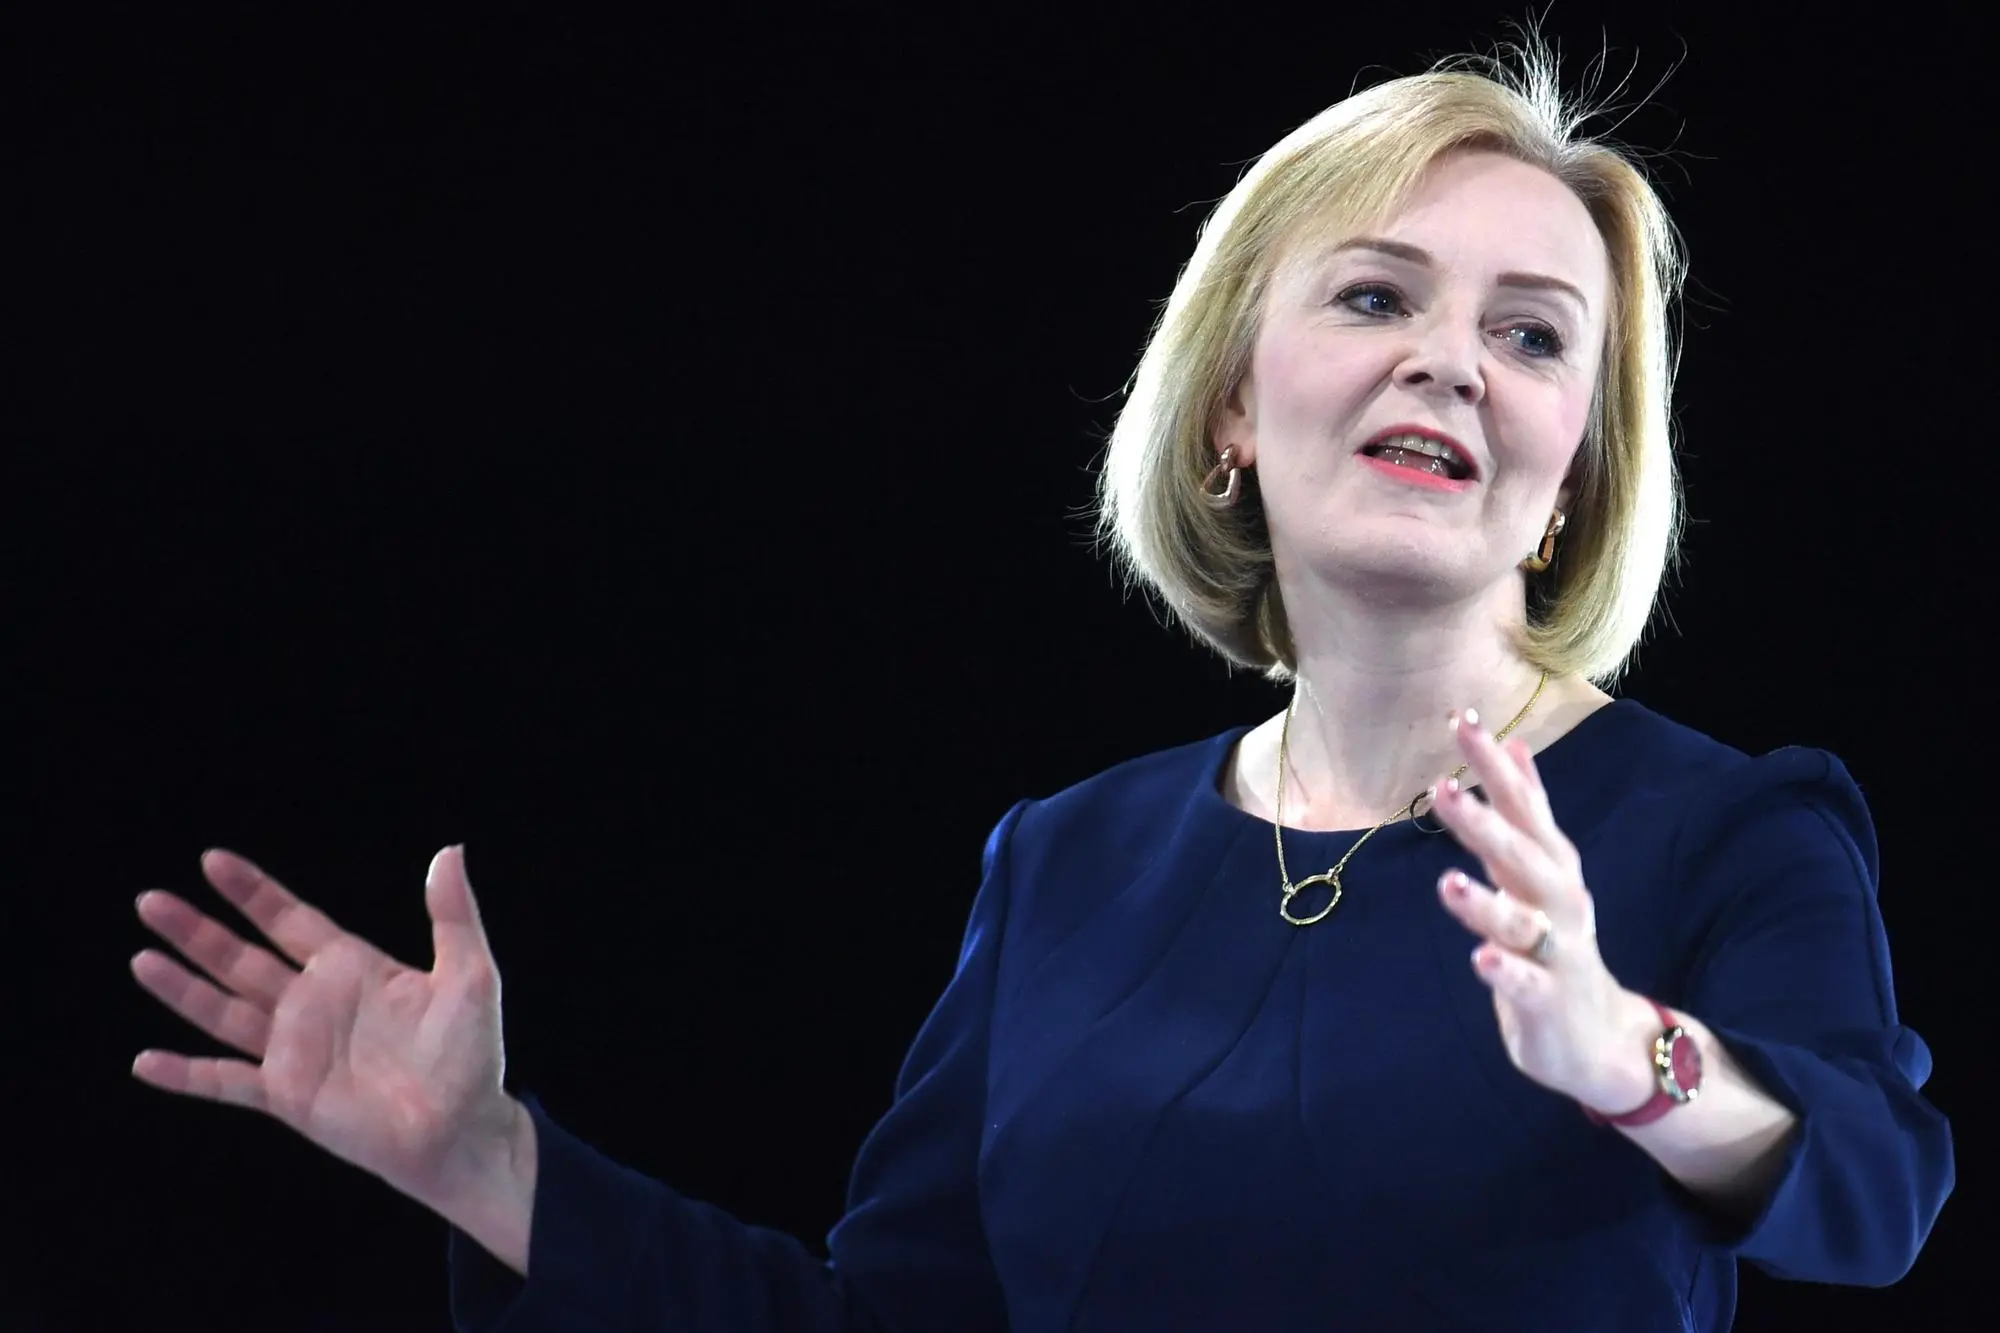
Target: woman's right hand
{"points": [[396, 1070]]}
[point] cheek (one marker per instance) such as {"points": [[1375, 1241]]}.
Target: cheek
{"points": [[1575, 409], [1312, 366], [1548, 422]]}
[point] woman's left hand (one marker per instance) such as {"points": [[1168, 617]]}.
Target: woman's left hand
{"points": [[1565, 1020]]}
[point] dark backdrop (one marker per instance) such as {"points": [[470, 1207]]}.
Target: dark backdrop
{"points": [[652, 453]]}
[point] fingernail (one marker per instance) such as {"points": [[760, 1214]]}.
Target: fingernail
{"points": [[1472, 717]]}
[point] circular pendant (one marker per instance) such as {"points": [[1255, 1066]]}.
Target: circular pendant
{"points": [[1421, 807], [1332, 882]]}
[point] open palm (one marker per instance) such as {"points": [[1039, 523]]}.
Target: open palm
{"points": [[391, 1068]]}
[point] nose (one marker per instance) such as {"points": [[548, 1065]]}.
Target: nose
{"points": [[1444, 360]]}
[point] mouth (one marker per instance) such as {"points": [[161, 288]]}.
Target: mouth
{"points": [[1421, 451]]}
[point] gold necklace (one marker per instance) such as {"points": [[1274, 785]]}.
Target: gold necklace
{"points": [[1331, 878]]}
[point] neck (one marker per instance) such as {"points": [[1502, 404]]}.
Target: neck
{"points": [[1369, 730]]}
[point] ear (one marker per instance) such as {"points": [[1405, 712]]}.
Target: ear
{"points": [[1236, 423]]}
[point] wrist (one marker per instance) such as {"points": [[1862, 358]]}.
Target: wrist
{"points": [[1623, 1076], [489, 1191]]}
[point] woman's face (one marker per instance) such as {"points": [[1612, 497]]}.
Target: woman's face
{"points": [[1476, 318]]}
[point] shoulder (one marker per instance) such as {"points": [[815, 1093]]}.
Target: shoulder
{"points": [[1121, 812], [1695, 850], [1697, 769], [1707, 794]]}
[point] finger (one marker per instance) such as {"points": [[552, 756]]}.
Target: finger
{"points": [[1538, 821], [1492, 913], [1509, 855], [1513, 977], [255, 973], [1498, 773], [297, 928], [1541, 816], [229, 1019], [233, 1082], [457, 934], [1517, 750]]}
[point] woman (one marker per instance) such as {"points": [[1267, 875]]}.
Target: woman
{"points": [[1212, 1058]]}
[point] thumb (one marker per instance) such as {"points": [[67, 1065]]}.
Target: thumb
{"points": [[456, 934]]}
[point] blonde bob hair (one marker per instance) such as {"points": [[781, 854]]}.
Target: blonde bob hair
{"points": [[1344, 170]]}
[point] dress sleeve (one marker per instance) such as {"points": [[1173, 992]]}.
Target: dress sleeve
{"points": [[612, 1251], [1794, 978]]}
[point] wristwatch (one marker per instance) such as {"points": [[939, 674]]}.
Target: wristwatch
{"points": [[1676, 1066]]}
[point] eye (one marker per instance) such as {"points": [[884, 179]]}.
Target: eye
{"points": [[1372, 298], [1537, 340]]}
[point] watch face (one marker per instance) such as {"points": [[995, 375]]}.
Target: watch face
{"points": [[1687, 1064]]}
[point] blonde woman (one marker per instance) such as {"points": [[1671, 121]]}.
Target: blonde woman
{"points": [[1457, 995]]}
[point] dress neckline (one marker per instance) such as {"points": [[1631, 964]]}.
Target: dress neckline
{"points": [[1554, 761]]}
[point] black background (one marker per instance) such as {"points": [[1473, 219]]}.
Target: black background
{"points": [[653, 453]]}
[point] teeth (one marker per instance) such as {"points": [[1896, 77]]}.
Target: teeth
{"points": [[1418, 444]]}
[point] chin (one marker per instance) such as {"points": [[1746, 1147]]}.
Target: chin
{"points": [[1415, 569]]}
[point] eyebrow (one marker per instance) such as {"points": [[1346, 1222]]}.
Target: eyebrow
{"points": [[1418, 255]]}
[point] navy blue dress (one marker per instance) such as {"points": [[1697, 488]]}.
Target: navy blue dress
{"points": [[1144, 1102]]}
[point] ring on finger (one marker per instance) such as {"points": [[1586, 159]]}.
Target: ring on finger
{"points": [[1544, 946]]}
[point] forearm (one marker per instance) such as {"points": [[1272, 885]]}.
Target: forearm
{"points": [[490, 1195], [1727, 1145]]}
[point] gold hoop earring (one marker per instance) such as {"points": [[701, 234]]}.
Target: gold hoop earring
{"points": [[1541, 559], [1232, 489]]}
